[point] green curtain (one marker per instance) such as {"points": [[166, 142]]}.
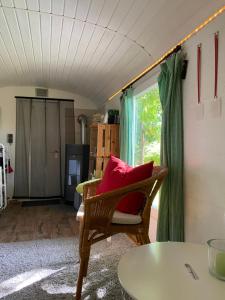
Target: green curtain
{"points": [[171, 208], [127, 127]]}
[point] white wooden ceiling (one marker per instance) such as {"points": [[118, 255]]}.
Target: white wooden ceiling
{"points": [[91, 47]]}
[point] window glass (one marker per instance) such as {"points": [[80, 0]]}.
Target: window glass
{"points": [[148, 116]]}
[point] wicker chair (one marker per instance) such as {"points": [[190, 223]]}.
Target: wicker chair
{"points": [[99, 220]]}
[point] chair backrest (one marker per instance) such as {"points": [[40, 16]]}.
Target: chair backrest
{"points": [[99, 209], [153, 187]]}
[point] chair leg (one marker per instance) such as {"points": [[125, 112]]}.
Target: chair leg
{"points": [[146, 238], [80, 279], [143, 238], [138, 238], [84, 259], [86, 262]]}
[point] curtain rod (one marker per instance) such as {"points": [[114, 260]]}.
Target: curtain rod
{"points": [[168, 53], [177, 48], [45, 98]]}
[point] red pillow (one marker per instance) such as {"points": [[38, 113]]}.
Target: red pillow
{"points": [[118, 174]]}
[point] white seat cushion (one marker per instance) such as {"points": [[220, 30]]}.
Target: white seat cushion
{"points": [[118, 217], [122, 218]]}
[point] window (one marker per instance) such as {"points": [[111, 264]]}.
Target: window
{"points": [[147, 135], [148, 114]]}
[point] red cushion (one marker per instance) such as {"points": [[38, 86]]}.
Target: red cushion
{"points": [[118, 174]]}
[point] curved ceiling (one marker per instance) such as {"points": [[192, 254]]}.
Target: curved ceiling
{"points": [[91, 47]]}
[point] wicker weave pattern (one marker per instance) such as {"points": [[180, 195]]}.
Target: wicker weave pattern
{"points": [[96, 224]]}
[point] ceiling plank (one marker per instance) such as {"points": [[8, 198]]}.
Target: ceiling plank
{"points": [[104, 43], [76, 35], [82, 46], [7, 3], [111, 58], [158, 20], [95, 11], [23, 22], [58, 7], [112, 50], [33, 5], [99, 67], [168, 37], [45, 6], [20, 4], [65, 41], [134, 14], [145, 21], [4, 70], [56, 32], [134, 66], [120, 13], [45, 24], [100, 50], [107, 12], [15, 31], [6, 58], [120, 67], [35, 30], [82, 11], [91, 49], [8, 41], [70, 8]]}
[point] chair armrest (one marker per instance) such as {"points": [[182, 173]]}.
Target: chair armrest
{"points": [[156, 169], [89, 188], [81, 185]]}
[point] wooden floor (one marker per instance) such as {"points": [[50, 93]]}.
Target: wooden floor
{"points": [[18, 223]]}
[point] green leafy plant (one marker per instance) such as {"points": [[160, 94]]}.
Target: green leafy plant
{"points": [[148, 115]]}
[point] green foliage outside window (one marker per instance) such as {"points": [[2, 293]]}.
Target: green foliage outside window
{"points": [[148, 114]]}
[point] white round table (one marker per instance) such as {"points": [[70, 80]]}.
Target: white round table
{"points": [[157, 271]]}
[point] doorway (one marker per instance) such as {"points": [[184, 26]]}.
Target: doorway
{"points": [[43, 127]]}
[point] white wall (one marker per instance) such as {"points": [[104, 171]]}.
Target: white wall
{"points": [[204, 140], [8, 115], [112, 104]]}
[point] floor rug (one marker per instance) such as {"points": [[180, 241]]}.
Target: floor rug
{"points": [[47, 269], [41, 202]]}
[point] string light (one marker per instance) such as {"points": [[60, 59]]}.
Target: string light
{"points": [[158, 61]]}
